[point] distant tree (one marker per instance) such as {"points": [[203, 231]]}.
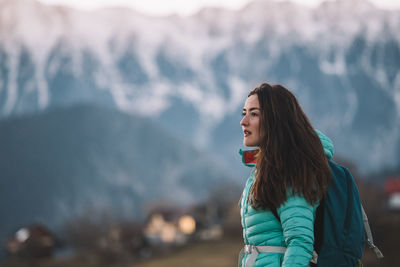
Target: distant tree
{"points": [[109, 239]]}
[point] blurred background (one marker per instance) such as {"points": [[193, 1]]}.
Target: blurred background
{"points": [[119, 121]]}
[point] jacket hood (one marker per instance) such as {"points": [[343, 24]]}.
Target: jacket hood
{"points": [[326, 143], [249, 156]]}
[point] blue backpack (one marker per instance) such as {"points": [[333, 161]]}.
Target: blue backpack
{"points": [[341, 227]]}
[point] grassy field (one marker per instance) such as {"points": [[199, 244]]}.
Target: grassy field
{"points": [[222, 253]]}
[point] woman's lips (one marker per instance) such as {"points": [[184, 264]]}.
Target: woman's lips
{"points": [[246, 133]]}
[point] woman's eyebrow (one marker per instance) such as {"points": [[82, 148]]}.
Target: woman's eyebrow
{"points": [[251, 109]]}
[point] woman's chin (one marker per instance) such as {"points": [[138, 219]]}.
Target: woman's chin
{"points": [[249, 143]]}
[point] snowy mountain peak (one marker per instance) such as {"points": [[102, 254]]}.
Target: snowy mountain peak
{"points": [[336, 54]]}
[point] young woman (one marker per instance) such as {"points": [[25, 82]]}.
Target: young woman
{"points": [[291, 175]]}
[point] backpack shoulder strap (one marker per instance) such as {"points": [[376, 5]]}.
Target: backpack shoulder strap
{"points": [[368, 232]]}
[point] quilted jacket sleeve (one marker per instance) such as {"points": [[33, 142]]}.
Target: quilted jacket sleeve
{"points": [[297, 219]]}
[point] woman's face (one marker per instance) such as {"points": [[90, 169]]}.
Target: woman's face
{"points": [[251, 121]]}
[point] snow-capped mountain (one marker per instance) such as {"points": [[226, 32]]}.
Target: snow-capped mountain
{"points": [[191, 74]]}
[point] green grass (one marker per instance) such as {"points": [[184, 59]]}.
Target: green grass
{"points": [[221, 253]]}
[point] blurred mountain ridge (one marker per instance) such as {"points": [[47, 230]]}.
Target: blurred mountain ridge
{"points": [[67, 161]]}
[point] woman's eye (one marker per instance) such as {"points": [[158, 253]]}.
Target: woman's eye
{"points": [[254, 114], [243, 114]]}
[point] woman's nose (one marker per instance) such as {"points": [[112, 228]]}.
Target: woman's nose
{"points": [[244, 121]]}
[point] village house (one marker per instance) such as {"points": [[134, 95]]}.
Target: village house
{"points": [[31, 242], [169, 226], [392, 191], [174, 226]]}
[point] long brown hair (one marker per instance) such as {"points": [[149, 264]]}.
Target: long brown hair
{"points": [[291, 156]]}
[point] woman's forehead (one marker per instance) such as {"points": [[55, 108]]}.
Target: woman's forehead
{"points": [[252, 102]]}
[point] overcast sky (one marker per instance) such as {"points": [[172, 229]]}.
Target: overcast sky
{"points": [[186, 7]]}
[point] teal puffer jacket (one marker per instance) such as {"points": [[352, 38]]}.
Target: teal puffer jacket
{"points": [[295, 231]]}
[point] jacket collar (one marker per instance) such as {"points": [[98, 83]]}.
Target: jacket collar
{"points": [[249, 157]]}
